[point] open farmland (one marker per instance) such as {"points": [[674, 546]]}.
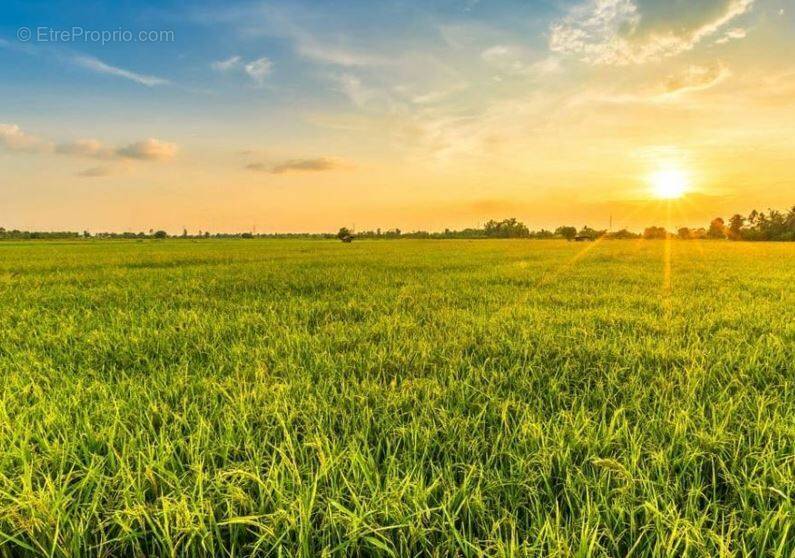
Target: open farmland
{"points": [[431, 398]]}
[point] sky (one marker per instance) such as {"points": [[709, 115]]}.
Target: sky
{"points": [[292, 116]]}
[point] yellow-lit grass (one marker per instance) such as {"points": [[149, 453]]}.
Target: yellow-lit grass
{"points": [[290, 398]]}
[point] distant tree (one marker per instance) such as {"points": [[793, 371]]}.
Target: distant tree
{"points": [[86, 234], [592, 234], [623, 234], [566, 232], [160, 234], [184, 233], [507, 228], [247, 235], [752, 217], [736, 223], [684, 233], [717, 229], [790, 225], [345, 235], [773, 225], [655, 233]]}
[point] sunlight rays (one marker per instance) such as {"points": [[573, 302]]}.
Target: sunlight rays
{"points": [[569, 264]]}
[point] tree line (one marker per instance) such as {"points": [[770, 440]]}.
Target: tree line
{"points": [[756, 226]]}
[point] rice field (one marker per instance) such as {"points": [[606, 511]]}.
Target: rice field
{"points": [[397, 398]]}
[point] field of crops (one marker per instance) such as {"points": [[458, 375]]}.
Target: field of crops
{"points": [[397, 398]]}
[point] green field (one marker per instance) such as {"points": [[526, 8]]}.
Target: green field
{"points": [[406, 398]]}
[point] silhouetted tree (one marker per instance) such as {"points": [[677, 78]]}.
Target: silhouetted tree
{"points": [[345, 235], [507, 228], [655, 233], [717, 229], [623, 234], [736, 223], [566, 232], [592, 234], [684, 233]]}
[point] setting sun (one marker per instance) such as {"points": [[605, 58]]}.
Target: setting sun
{"points": [[669, 184]]}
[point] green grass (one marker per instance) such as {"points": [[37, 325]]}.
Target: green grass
{"points": [[406, 398]]}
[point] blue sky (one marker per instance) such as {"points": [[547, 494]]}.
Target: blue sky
{"points": [[433, 113]]}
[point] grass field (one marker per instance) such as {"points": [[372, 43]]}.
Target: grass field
{"points": [[407, 398]]}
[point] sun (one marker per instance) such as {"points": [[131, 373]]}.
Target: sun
{"points": [[669, 184]]}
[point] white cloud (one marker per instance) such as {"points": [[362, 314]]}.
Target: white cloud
{"points": [[513, 60], [435, 96], [593, 30], [86, 148], [732, 35], [608, 32], [225, 65], [696, 78], [259, 69], [355, 90], [97, 65], [311, 47], [149, 150], [12, 138]]}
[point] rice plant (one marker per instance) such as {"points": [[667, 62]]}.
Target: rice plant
{"points": [[406, 398]]}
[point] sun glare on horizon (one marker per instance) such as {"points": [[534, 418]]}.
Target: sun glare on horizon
{"points": [[669, 184]]}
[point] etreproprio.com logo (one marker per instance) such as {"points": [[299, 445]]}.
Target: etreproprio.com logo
{"points": [[79, 34]]}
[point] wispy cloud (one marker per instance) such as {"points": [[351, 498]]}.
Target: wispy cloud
{"points": [[696, 78], [353, 88], [259, 69], [97, 65], [86, 148], [732, 35], [317, 164], [96, 172], [85, 61], [609, 32], [438, 95], [292, 22], [314, 48], [229, 64], [511, 59]]}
